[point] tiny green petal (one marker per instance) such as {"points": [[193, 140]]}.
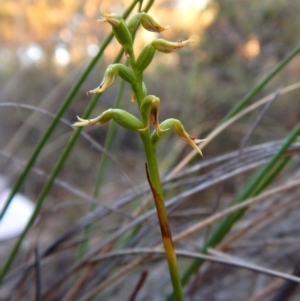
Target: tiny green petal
{"points": [[167, 46]]}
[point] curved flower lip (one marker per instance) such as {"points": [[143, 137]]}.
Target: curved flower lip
{"points": [[99, 89], [177, 127], [113, 19], [193, 142], [82, 122], [103, 86], [110, 76], [168, 46]]}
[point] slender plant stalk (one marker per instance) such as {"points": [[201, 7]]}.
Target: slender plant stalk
{"points": [[154, 181], [149, 111], [166, 236]]}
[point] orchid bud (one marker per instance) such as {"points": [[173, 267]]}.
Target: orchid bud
{"points": [[167, 46], [125, 73], [150, 24], [179, 130], [121, 117], [119, 28], [145, 57], [134, 23], [146, 21]]}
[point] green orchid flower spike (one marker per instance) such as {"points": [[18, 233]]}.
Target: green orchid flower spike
{"points": [[149, 106]]}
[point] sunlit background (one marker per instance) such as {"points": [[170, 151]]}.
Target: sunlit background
{"points": [[65, 32], [46, 45]]}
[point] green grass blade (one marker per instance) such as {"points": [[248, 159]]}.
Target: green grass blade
{"points": [[65, 153], [256, 184], [66, 103], [108, 141], [261, 84], [268, 172]]}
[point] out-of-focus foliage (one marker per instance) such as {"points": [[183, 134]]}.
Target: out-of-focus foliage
{"points": [[67, 31]]}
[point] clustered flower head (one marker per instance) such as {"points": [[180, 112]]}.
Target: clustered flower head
{"points": [[148, 104]]}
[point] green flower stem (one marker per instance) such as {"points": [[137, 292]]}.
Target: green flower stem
{"points": [[155, 184], [156, 187]]}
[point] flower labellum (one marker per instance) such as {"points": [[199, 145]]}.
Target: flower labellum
{"points": [[110, 76], [167, 46], [123, 118], [150, 111], [178, 129]]}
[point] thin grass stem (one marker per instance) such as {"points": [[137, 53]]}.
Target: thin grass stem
{"points": [[64, 155]]}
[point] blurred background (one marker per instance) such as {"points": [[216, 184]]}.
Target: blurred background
{"points": [[46, 45]]}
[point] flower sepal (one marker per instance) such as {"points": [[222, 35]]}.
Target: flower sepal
{"points": [[177, 127], [165, 46], [123, 118], [110, 75]]}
